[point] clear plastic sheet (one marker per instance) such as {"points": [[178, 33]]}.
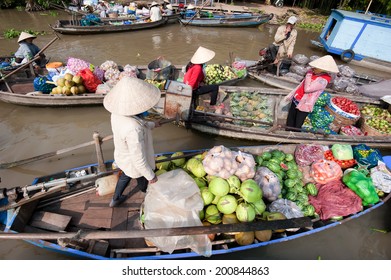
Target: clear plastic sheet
{"points": [[175, 201]]}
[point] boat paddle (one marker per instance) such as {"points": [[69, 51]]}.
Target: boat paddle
{"points": [[50, 154], [176, 231], [197, 12], [5, 165]]}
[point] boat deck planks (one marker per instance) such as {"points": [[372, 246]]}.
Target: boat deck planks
{"points": [[50, 221]]}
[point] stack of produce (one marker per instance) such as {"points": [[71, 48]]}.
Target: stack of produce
{"points": [[276, 185], [69, 85], [319, 118], [377, 119], [344, 111], [216, 74], [287, 180], [251, 106]]}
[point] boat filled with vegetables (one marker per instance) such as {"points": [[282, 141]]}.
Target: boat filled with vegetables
{"points": [[260, 114], [81, 83], [206, 202]]}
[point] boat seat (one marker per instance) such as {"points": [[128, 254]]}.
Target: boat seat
{"points": [[50, 221]]}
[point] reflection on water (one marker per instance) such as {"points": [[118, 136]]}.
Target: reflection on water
{"points": [[27, 132]]}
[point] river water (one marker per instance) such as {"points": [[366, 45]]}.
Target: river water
{"points": [[27, 132]]}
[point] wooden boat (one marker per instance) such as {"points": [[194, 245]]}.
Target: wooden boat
{"points": [[234, 20], [75, 12], [355, 37], [272, 126], [71, 27], [20, 91], [61, 212], [285, 82]]}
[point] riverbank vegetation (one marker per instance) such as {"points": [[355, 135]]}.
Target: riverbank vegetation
{"points": [[321, 6]]}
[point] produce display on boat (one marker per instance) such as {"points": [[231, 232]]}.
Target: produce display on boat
{"points": [[335, 115], [236, 186], [257, 189], [216, 74]]}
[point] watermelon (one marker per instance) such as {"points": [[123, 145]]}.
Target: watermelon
{"points": [[311, 189]]}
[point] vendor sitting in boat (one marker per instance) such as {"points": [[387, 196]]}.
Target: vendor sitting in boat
{"points": [[28, 50], [154, 13], [168, 11]]}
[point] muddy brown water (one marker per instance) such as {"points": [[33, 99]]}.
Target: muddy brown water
{"points": [[27, 131]]}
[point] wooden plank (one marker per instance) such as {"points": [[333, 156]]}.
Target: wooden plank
{"points": [[133, 223], [50, 221], [97, 218]]}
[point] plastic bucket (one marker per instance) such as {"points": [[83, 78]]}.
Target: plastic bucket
{"points": [[159, 69], [106, 185]]}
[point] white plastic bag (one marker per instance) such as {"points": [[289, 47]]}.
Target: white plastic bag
{"points": [[288, 208], [220, 161], [381, 177], [175, 201]]}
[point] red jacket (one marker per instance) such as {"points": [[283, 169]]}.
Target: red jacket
{"points": [[194, 76]]}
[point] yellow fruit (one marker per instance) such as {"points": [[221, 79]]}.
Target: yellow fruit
{"points": [[74, 90], [245, 238], [77, 80], [60, 82], [263, 235], [66, 90], [68, 76], [69, 83], [82, 89]]}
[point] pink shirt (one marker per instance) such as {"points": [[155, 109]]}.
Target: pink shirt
{"points": [[309, 90]]}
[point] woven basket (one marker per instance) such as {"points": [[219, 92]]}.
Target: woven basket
{"points": [[370, 131], [339, 120]]}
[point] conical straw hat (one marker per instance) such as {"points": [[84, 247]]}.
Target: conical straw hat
{"points": [[131, 96], [24, 36], [154, 4], [190, 7], [325, 63], [166, 1], [202, 55], [169, 6]]}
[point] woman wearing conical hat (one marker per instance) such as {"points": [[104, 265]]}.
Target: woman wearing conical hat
{"points": [[305, 95], [155, 13], [195, 75], [134, 154], [27, 50]]}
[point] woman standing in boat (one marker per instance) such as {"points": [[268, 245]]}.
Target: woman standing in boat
{"points": [[134, 154], [195, 75], [308, 91]]}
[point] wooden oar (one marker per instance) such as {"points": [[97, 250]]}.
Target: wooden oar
{"points": [[51, 154], [197, 12], [177, 231], [5, 165]]}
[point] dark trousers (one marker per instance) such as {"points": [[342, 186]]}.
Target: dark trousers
{"points": [[212, 89], [295, 117], [123, 182]]}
